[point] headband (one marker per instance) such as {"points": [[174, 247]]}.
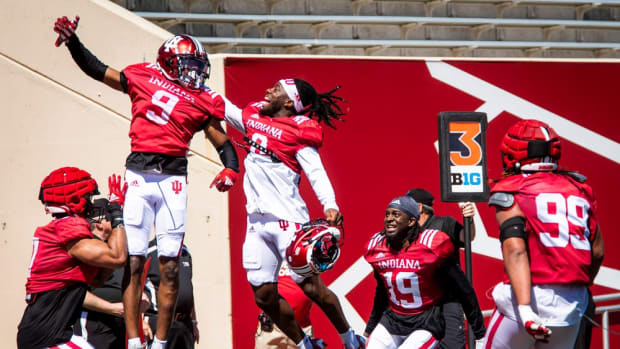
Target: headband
{"points": [[291, 91]]}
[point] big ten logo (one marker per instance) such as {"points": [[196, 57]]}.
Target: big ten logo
{"points": [[466, 156]]}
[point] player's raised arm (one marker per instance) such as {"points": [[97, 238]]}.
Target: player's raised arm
{"points": [[88, 62], [228, 176]]}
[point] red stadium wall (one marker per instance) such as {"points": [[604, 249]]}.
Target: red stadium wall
{"points": [[387, 146]]}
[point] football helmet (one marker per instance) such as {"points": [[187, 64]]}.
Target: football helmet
{"points": [[530, 145], [68, 190], [314, 248], [183, 59]]}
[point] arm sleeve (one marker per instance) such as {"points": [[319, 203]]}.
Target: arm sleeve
{"points": [[379, 304], [89, 64], [455, 280], [233, 115], [310, 162]]}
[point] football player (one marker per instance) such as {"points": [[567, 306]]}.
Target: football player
{"points": [[65, 259], [452, 310], [282, 136], [413, 267], [169, 106], [551, 242]]}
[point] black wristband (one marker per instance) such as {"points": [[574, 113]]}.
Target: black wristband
{"points": [[228, 155], [116, 214], [89, 64]]}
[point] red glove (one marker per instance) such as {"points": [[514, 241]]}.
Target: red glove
{"points": [[65, 28], [225, 179], [116, 193]]}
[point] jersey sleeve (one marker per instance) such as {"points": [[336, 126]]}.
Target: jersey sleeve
{"points": [[374, 241], [438, 242], [311, 134], [311, 163], [212, 103], [72, 228]]}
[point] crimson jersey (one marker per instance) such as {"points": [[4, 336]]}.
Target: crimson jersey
{"points": [[561, 221], [283, 136], [165, 116], [51, 266], [409, 274]]}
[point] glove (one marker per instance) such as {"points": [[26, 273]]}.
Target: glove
{"points": [[115, 213], [224, 180], [65, 28], [117, 194], [533, 324]]}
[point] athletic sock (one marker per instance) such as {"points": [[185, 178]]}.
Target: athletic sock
{"points": [[158, 344], [305, 343], [134, 343], [348, 338]]}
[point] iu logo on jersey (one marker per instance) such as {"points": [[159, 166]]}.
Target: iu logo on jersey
{"points": [[283, 224], [177, 187]]}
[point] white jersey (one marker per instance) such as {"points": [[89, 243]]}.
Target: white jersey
{"points": [[279, 149]]}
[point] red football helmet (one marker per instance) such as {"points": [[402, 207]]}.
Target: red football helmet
{"points": [[314, 249], [530, 145], [68, 190], [183, 59]]}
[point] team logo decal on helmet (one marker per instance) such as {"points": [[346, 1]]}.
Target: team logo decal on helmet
{"points": [[530, 145], [314, 249], [183, 59], [67, 190]]}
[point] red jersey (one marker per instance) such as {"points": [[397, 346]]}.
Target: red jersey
{"points": [[295, 296], [165, 115], [561, 221], [51, 266], [283, 136], [409, 274]]}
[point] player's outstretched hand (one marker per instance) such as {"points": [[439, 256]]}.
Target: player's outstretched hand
{"points": [[533, 324], [224, 180], [65, 28], [116, 189]]}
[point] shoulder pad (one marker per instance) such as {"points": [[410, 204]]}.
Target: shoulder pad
{"points": [[502, 199], [577, 176]]}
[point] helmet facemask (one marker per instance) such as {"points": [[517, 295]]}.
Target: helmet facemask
{"points": [[192, 71]]}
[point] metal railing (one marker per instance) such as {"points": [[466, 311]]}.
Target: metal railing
{"points": [[604, 310]]}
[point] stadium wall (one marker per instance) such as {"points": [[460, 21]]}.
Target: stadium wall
{"points": [[54, 115]]}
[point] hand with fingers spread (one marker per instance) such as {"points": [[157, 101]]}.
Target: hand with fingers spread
{"points": [[533, 324], [225, 180], [65, 28], [117, 191]]}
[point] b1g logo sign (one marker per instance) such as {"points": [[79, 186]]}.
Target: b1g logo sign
{"points": [[462, 153]]}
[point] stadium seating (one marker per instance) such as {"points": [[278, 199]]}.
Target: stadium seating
{"points": [[501, 28]]}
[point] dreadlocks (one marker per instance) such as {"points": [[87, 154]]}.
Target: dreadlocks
{"points": [[322, 105]]}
